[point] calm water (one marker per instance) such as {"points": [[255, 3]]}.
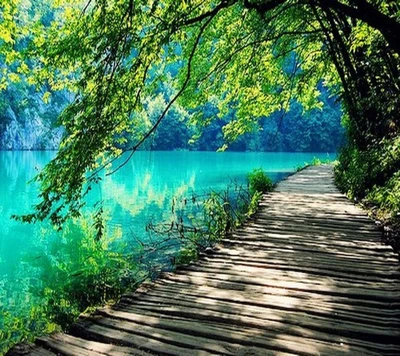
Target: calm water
{"points": [[140, 192]]}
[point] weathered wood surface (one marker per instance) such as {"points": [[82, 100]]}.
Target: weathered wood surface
{"points": [[309, 276]]}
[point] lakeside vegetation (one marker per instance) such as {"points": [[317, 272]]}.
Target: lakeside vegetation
{"points": [[119, 76], [79, 272], [242, 61]]}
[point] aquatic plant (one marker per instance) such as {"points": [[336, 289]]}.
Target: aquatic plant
{"points": [[70, 276], [198, 223], [259, 182]]}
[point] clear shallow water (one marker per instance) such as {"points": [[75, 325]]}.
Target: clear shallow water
{"points": [[141, 191]]}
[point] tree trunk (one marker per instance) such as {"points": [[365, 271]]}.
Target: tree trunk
{"points": [[388, 26], [364, 11]]}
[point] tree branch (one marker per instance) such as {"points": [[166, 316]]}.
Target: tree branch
{"points": [[263, 7], [388, 26], [209, 14], [172, 101]]}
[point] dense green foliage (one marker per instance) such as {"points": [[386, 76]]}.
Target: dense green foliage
{"points": [[369, 68], [319, 130], [23, 108], [28, 112], [259, 182], [75, 273], [246, 62], [248, 59], [200, 222], [92, 273], [372, 174]]}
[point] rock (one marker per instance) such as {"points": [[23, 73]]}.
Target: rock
{"points": [[32, 127]]}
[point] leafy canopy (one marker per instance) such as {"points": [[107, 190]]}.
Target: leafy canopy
{"points": [[250, 56]]}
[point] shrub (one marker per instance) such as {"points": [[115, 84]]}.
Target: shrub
{"points": [[360, 171], [259, 182], [82, 271], [387, 198], [76, 271]]}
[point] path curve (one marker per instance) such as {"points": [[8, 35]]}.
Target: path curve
{"points": [[309, 276]]}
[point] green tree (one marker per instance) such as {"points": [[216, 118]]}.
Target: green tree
{"points": [[254, 56]]}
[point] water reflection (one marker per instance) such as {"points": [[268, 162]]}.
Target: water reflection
{"points": [[145, 188], [141, 191]]}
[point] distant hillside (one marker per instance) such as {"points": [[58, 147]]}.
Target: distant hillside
{"points": [[27, 123]]}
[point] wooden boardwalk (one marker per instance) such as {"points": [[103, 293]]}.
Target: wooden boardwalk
{"points": [[308, 277]]}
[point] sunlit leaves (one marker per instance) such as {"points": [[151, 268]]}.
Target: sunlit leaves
{"points": [[249, 66], [117, 54], [362, 37]]}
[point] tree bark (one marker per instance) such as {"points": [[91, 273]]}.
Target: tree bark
{"points": [[364, 11]]}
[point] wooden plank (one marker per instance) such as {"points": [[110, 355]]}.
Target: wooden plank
{"points": [[97, 347], [312, 271], [277, 224], [299, 251], [329, 223], [360, 243], [239, 305], [312, 231], [329, 268], [63, 348], [263, 294], [268, 242], [276, 207], [345, 309], [286, 237], [324, 329], [218, 339], [29, 349], [330, 287], [308, 276], [93, 331], [248, 272], [390, 269]]}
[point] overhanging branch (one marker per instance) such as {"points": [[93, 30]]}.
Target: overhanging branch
{"points": [[173, 100]]}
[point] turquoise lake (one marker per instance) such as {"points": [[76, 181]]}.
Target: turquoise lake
{"points": [[140, 192]]}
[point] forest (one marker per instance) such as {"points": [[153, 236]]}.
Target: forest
{"points": [[27, 123], [99, 80]]}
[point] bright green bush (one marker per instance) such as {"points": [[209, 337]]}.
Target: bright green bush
{"points": [[373, 177], [259, 182], [77, 271], [360, 171], [387, 198], [82, 271]]}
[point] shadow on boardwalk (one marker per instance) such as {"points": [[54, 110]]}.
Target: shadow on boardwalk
{"points": [[309, 276]]}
